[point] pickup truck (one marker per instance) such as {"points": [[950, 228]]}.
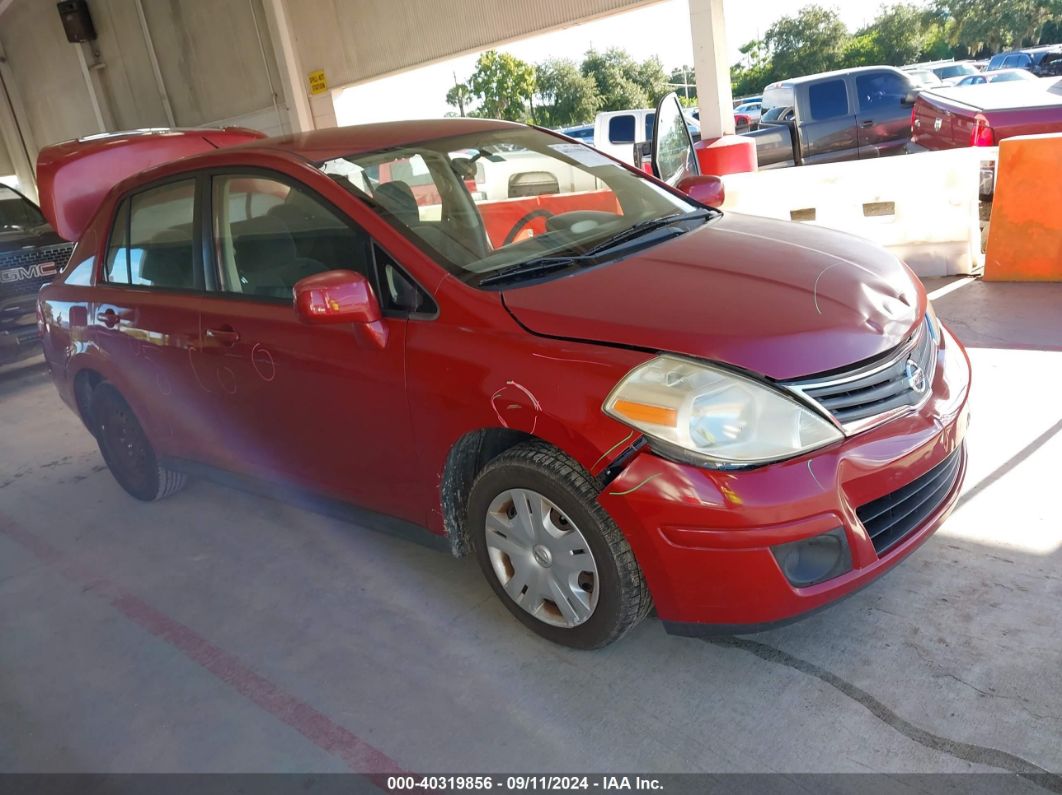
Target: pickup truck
{"points": [[983, 115], [848, 114], [31, 254]]}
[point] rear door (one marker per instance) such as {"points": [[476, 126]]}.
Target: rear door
{"points": [[826, 121], [145, 315], [323, 407], [884, 121]]}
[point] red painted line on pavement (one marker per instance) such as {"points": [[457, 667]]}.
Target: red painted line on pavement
{"points": [[318, 728]]}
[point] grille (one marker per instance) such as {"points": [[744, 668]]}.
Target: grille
{"points": [[891, 518], [873, 391], [12, 284]]}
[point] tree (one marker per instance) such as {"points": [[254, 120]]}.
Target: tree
{"points": [[504, 85], [622, 82], [898, 35], [812, 41], [1001, 24], [683, 82], [460, 96], [564, 95]]}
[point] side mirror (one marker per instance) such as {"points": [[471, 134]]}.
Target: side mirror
{"points": [[340, 296], [705, 188], [909, 98]]}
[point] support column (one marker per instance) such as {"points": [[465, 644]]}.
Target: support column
{"points": [[710, 59], [292, 76]]}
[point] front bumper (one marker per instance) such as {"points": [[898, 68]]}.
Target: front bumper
{"points": [[19, 343], [704, 537]]}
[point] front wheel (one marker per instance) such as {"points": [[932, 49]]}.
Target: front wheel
{"points": [[126, 449], [552, 554]]}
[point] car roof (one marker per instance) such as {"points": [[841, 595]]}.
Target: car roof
{"points": [[793, 81], [321, 145]]}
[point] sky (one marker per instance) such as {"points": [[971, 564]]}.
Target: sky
{"points": [[661, 29]]}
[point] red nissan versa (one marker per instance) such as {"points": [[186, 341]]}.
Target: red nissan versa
{"points": [[614, 395]]}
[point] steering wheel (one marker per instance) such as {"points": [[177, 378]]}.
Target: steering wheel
{"points": [[524, 221]]}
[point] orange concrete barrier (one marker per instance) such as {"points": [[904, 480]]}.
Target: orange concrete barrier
{"points": [[1025, 233]]}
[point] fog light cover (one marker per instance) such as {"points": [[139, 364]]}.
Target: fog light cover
{"points": [[814, 560]]}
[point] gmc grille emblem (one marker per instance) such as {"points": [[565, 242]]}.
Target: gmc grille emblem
{"points": [[39, 270]]}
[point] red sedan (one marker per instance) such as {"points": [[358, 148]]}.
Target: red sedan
{"points": [[613, 395]]}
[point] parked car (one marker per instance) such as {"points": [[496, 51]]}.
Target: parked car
{"points": [[750, 109], [950, 71], [620, 133], [31, 254], [834, 116], [582, 132], [983, 115], [1034, 59], [923, 78], [998, 76], [646, 402]]}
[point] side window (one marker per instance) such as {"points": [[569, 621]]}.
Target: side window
{"points": [[828, 99], [152, 240], [650, 122], [880, 90], [621, 129], [269, 235]]}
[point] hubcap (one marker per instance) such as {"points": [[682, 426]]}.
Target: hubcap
{"points": [[541, 558]]}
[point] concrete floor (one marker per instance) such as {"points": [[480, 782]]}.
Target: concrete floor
{"points": [[217, 631]]}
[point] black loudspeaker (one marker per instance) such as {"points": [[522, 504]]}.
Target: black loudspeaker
{"points": [[77, 22]]}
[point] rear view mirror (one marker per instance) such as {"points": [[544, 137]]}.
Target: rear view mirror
{"points": [[340, 296], [705, 188]]}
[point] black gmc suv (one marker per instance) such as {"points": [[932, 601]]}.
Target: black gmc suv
{"points": [[31, 254]]}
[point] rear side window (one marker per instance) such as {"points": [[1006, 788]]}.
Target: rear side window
{"points": [[152, 242], [621, 129], [828, 99], [880, 90]]}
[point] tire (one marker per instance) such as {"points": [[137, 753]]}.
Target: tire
{"points": [[605, 593], [126, 449]]}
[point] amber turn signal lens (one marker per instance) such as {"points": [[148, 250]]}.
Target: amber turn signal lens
{"points": [[644, 412]]}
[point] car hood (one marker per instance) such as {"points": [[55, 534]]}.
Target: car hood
{"points": [[32, 237], [773, 297]]}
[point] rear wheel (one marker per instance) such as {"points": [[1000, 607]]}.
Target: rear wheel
{"points": [[126, 449], [551, 552]]}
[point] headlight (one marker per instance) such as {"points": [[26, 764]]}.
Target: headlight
{"points": [[932, 322], [712, 416]]}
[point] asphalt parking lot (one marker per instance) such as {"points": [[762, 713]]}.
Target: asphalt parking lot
{"points": [[220, 631]]}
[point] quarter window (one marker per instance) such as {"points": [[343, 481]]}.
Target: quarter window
{"points": [[621, 129], [152, 242], [269, 235], [828, 100]]}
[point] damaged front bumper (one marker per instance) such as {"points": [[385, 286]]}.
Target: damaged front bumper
{"points": [[730, 552]]}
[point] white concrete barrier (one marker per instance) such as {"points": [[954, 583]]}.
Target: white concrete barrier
{"points": [[922, 207]]}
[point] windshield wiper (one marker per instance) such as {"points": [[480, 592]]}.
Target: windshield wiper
{"points": [[648, 225], [531, 268], [540, 265]]}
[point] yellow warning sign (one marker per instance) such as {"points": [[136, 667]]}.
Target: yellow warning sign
{"points": [[318, 81]]}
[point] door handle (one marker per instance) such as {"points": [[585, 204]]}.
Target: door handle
{"points": [[226, 335], [868, 124], [109, 318]]}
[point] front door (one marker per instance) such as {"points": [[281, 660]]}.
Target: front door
{"points": [[884, 121], [323, 407]]}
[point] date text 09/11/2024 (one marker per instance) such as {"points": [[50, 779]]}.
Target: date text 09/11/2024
{"points": [[521, 783]]}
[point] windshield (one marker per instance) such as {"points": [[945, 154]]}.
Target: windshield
{"points": [[16, 212], [479, 203], [779, 96], [1016, 74], [955, 70]]}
